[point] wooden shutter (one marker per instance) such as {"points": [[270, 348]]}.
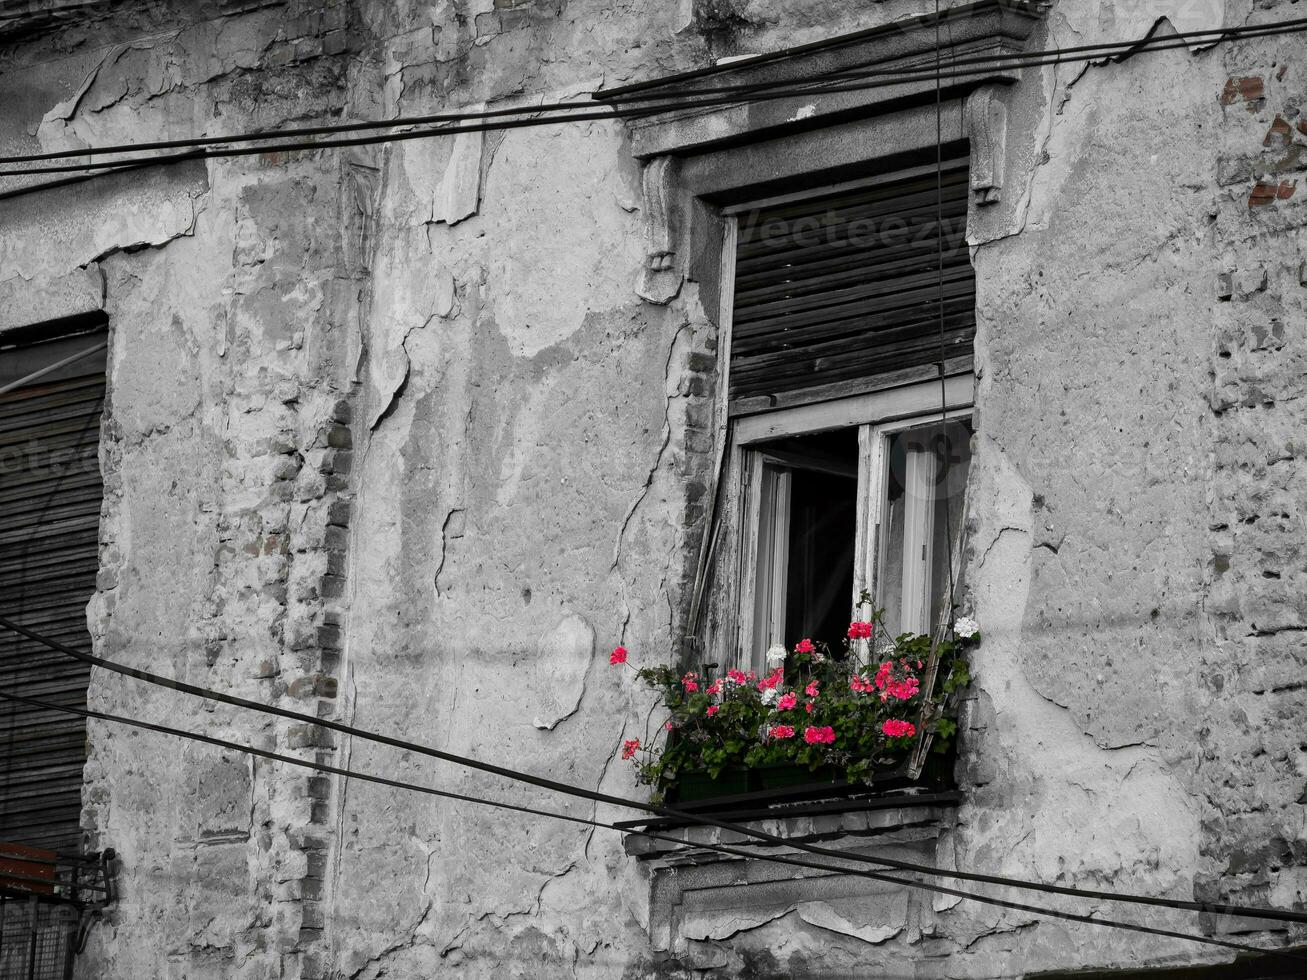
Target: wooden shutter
{"points": [[50, 494], [835, 292]]}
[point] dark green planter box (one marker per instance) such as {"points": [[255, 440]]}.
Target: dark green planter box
{"points": [[692, 786], [785, 775]]}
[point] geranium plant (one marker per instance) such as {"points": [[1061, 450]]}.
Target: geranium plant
{"points": [[861, 710]]}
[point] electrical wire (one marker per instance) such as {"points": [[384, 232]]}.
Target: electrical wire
{"points": [[1090, 52], [943, 352], [213, 152], [590, 822], [568, 789]]}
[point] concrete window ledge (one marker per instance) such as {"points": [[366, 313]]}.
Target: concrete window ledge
{"points": [[698, 896]]}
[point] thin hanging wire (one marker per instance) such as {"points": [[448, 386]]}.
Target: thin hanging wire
{"points": [[942, 480]]}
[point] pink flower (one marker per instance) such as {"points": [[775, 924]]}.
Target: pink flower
{"points": [[618, 656], [713, 709], [629, 747], [899, 688], [714, 688], [787, 702], [804, 646], [819, 736], [807, 706], [736, 676], [860, 631], [691, 685], [669, 726], [781, 731], [895, 728], [811, 689], [772, 680]]}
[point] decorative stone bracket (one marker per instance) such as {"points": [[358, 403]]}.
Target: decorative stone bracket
{"points": [[660, 276], [986, 126]]}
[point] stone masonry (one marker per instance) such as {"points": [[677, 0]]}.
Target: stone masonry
{"points": [[392, 438]]}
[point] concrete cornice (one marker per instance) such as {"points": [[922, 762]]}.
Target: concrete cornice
{"points": [[985, 28], [18, 17]]}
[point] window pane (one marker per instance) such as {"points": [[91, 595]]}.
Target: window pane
{"points": [[923, 514], [806, 524], [823, 521]]}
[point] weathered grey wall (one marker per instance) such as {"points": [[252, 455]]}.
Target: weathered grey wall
{"points": [[392, 438]]}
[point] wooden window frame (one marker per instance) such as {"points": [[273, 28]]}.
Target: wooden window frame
{"points": [[903, 404]]}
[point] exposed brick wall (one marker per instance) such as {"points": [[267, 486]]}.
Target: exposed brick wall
{"points": [[1253, 752]]}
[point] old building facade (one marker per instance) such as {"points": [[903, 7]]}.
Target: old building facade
{"points": [[410, 434]]}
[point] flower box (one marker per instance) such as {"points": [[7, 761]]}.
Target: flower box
{"points": [[694, 786], [881, 711], [785, 775]]}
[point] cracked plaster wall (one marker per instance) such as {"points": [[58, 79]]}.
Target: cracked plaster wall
{"points": [[530, 443]]}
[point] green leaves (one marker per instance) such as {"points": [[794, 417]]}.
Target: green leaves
{"points": [[723, 724]]}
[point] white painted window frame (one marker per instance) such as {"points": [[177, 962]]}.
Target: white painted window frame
{"points": [[878, 417]]}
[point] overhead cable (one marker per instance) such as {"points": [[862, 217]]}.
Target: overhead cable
{"points": [[896, 75], [589, 822], [530, 117], [1282, 915]]}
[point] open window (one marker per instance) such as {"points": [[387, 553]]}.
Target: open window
{"points": [[851, 315], [803, 496], [874, 506]]}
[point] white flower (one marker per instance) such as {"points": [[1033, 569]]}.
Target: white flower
{"points": [[776, 655], [966, 628], [770, 696]]}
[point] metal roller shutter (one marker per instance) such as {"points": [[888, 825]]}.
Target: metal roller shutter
{"points": [[836, 290], [50, 495]]}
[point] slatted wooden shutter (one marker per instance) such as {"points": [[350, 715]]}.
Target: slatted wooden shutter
{"points": [[836, 291], [50, 495]]}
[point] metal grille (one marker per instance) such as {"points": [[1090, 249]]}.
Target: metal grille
{"points": [[47, 901], [837, 290], [38, 939]]}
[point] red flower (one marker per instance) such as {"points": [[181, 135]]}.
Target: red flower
{"points": [[781, 731], [895, 728], [618, 656], [804, 646], [691, 685], [900, 689], [669, 726], [714, 688], [860, 631], [772, 680], [713, 709], [807, 706], [819, 736], [629, 747], [787, 702], [811, 689], [736, 676]]}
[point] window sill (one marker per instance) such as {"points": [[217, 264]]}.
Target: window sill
{"points": [[699, 898], [800, 820]]}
